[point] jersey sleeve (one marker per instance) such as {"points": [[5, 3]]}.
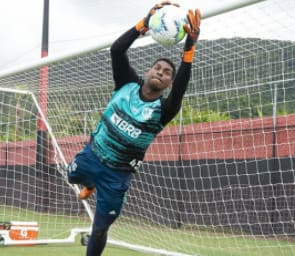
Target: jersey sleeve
{"points": [[122, 70], [171, 105]]}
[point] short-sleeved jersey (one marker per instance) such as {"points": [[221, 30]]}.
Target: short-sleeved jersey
{"points": [[126, 128]]}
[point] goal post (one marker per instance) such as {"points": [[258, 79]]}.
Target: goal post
{"points": [[219, 179], [19, 114]]}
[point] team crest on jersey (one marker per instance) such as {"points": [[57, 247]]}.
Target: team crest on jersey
{"points": [[147, 113]]}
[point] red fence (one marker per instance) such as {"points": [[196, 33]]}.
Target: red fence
{"points": [[234, 139]]}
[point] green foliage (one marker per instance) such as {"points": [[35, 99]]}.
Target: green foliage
{"points": [[18, 116], [190, 115], [77, 123]]}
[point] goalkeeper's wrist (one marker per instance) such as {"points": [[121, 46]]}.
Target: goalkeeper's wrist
{"points": [[140, 27], [188, 55]]}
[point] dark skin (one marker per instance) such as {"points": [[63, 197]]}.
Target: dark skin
{"points": [[157, 79]]}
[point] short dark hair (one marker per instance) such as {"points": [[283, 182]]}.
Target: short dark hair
{"points": [[169, 62]]}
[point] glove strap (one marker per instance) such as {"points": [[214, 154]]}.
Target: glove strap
{"points": [[140, 27], [188, 55]]}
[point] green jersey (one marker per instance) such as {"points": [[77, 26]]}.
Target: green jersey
{"points": [[129, 124], [127, 128]]}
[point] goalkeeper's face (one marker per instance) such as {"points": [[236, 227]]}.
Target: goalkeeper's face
{"points": [[160, 76]]}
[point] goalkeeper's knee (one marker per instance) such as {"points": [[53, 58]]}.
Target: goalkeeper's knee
{"points": [[99, 235]]}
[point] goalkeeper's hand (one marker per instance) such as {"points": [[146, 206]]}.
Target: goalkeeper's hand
{"points": [[143, 25], [193, 30]]}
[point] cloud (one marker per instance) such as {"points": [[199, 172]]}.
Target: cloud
{"points": [[76, 24], [20, 28]]}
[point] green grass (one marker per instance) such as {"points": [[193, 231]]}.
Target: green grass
{"points": [[62, 250], [202, 241], [191, 240], [221, 248], [50, 226]]}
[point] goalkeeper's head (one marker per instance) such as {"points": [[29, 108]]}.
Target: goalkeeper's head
{"points": [[160, 76], [169, 62]]}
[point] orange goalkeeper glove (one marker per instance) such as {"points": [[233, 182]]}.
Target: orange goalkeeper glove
{"points": [[143, 25], [193, 30]]}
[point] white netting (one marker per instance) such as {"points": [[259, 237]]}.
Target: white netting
{"points": [[218, 180]]}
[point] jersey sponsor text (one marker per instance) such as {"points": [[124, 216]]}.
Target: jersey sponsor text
{"points": [[125, 126]]}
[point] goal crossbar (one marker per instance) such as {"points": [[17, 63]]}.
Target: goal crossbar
{"points": [[105, 43]]}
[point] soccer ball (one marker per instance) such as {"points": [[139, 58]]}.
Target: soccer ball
{"points": [[166, 25]]}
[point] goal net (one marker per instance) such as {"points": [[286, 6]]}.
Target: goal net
{"points": [[36, 202], [219, 179]]}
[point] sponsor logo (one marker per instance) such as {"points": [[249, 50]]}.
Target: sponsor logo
{"points": [[125, 126], [147, 113]]}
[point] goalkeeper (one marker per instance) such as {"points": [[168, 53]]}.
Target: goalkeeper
{"points": [[136, 113]]}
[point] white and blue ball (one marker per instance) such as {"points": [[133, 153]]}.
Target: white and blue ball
{"points": [[166, 25]]}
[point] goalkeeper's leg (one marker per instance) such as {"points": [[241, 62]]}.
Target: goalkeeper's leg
{"points": [[98, 237], [111, 188], [80, 172]]}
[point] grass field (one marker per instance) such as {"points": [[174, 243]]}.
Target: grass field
{"points": [[62, 250], [203, 244], [190, 240], [77, 250]]}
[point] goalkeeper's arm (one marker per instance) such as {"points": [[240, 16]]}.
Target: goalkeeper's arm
{"points": [[172, 104], [193, 30]]}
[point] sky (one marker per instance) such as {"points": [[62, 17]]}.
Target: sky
{"points": [[75, 24]]}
